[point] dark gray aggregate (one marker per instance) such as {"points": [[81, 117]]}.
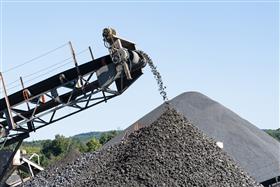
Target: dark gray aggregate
{"points": [[251, 148], [170, 152]]}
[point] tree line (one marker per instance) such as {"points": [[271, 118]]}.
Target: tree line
{"points": [[51, 151]]}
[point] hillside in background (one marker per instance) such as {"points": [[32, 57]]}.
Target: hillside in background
{"points": [[274, 133], [85, 137], [54, 150]]}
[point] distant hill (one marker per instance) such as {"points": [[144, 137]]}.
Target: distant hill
{"points": [[274, 133], [84, 137], [54, 150]]}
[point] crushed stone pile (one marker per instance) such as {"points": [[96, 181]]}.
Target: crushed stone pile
{"points": [[170, 152], [252, 148]]}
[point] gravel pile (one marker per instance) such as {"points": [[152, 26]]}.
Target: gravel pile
{"points": [[170, 152], [252, 149]]}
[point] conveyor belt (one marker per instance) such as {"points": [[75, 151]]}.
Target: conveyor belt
{"points": [[53, 82], [80, 98]]}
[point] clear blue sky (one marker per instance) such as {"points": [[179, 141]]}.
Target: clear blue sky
{"points": [[228, 51]]}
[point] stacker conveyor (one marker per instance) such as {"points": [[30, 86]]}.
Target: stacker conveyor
{"points": [[80, 87]]}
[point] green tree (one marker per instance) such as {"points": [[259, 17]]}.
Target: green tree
{"points": [[274, 133], [78, 145], [93, 145], [105, 137], [55, 147], [46, 148]]}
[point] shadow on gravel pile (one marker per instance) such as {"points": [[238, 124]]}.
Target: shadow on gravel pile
{"points": [[170, 152]]}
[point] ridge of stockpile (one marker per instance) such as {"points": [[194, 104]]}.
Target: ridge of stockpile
{"points": [[170, 152]]}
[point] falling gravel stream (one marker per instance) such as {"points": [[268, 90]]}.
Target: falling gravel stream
{"points": [[157, 76]]}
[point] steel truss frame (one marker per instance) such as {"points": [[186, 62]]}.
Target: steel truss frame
{"points": [[78, 98]]}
